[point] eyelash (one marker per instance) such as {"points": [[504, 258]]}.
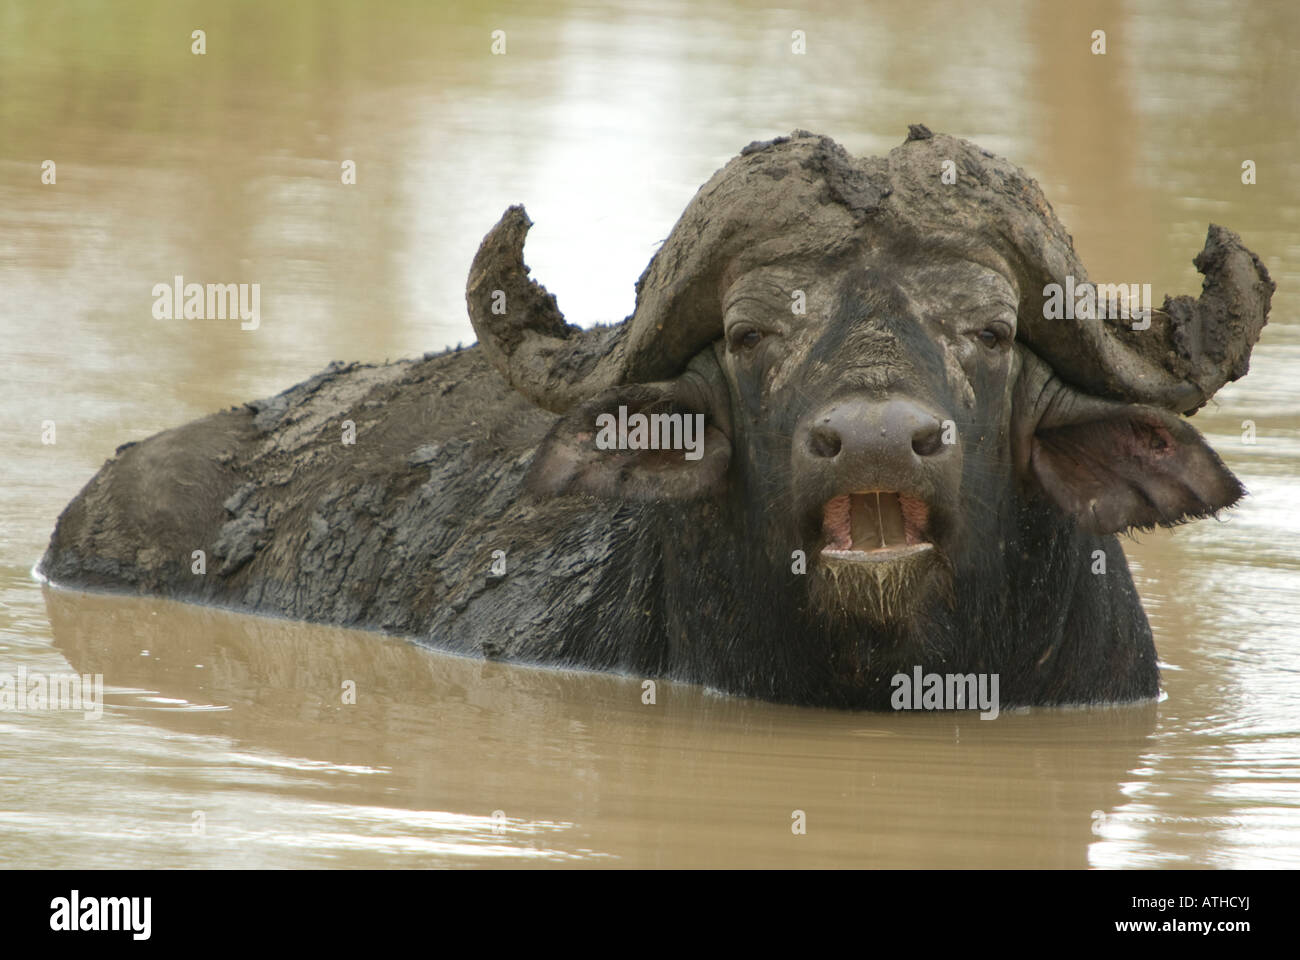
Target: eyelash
{"points": [[738, 336], [999, 335]]}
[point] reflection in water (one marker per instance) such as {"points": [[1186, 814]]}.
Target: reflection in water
{"points": [[604, 120], [578, 765]]}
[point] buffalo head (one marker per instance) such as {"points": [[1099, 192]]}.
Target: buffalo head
{"points": [[883, 390]]}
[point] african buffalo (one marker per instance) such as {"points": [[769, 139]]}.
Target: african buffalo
{"points": [[905, 457]]}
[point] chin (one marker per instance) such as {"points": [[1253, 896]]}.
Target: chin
{"points": [[892, 587]]}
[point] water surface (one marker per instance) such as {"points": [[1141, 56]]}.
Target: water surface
{"points": [[604, 119]]}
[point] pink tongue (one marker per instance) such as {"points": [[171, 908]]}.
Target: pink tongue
{"points": [[835, 524]]}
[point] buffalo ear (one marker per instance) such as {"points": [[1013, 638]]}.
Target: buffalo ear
{"points": [[1116, 466], [577, 456]]}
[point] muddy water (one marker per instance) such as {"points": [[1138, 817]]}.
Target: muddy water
{"points": [[224, 741]]}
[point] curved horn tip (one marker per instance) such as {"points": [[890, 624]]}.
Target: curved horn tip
{"points": [[505, 238], [1219, 243], [521, 330], [505, 304], [1212, 336], [515, 215]]}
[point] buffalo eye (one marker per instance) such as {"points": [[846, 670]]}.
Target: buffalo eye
{"points": [[994, 335], [744, 338]]}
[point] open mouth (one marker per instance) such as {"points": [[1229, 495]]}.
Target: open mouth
{"points": [[874, 526]]}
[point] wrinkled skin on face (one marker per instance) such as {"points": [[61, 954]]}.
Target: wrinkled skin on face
{"points": [[878, 330], [877, 336], [898, 481]]}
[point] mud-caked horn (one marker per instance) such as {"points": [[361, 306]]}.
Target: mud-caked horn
{"points": [[803, 200], [1175, 358], [793, 198], [522, 331]]}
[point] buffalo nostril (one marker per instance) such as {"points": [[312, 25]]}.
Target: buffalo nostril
{"points": [[824, 441], [927, 441]]}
